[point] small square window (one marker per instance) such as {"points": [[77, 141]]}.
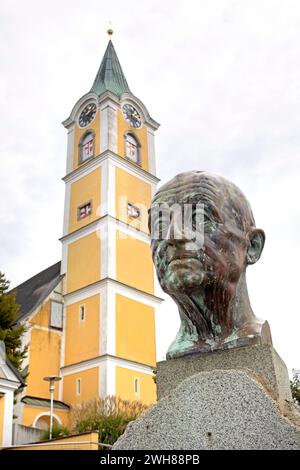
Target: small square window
{"points": [[84, 211], [133, 211], [56, 315]]}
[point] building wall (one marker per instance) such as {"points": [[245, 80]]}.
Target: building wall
{"points": [[31, 413], [86, 189], [82, 337], [135, 191], [44, 361], [135, 331], [89, 386], [125, 385], [42, 317], [86, 441], [134, 263], [83, 262]]}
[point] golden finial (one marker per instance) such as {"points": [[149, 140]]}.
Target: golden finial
{"points": [[110, 31]]}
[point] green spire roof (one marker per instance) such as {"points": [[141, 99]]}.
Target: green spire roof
{"points": [[110, 76]]}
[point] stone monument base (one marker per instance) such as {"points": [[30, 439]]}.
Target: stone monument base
{"points": [[261, 360], [206, 404]]}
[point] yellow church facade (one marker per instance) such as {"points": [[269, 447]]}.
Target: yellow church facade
{"points": [[91, 317]]}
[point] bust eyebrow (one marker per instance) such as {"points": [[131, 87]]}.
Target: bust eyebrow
{"points": [[208, 206]]}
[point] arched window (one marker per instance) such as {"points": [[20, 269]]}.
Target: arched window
{"points": [[132, 148], [86, 147]]}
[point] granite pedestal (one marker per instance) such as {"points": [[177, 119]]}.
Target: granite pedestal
{"points": [[234, 399], [261, 360]]}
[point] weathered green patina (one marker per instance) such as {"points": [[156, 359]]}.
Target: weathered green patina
{"points": [[110, 76], [207, 279]]}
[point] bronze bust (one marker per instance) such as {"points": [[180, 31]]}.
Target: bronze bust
{"points": [[206, 275]]}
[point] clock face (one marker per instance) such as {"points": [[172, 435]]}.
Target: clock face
{"points": [[87, 114], [131, 115]]}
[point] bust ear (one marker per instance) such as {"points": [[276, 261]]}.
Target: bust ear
{"points": [[256, 245]]}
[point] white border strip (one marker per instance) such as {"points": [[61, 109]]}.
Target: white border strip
{"points": [[118, 288], [102, 360], [118, 161]]}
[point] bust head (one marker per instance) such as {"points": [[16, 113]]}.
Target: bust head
{"points": [[203, 238]]}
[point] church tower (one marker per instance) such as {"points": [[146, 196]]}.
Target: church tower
{"points": [[108, 339]]}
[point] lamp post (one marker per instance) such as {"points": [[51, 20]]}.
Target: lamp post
{"points": [[51, 379]]}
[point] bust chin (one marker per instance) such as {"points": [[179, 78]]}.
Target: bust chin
{"points": [[207, 278]]}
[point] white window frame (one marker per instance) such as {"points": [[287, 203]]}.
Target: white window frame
{"points": [[132, 207], [88, 203]]}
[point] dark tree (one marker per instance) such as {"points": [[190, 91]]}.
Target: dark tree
{"points": [[11, 332]]}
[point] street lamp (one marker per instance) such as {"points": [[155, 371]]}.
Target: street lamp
{"points": [[51, 379]]}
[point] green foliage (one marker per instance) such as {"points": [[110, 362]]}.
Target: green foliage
{"points": [[295, 386], [10, 332], [108, 416], [57, 431]]}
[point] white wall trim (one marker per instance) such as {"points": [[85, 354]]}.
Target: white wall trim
{"points": [[111, 323], [64, 258], [151, 152], [111, 190], [126, 364], [46, 413], [7, 418], [85, 292], [70, 149], [62, 352], [8, 384], [111, 249], [101, 360], [118, 288], [132, 232], [104, 189], [103, 379], [111, 378], [103, 321], [67, 209], [103, 128], [108, 125], [104, 250], [97, 225], [83, 231], [120, 162]]}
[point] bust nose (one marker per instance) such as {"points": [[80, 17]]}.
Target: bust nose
{"points": [[176, 232]]}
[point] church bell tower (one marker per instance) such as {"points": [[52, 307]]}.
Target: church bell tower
{"points": [[108, 345]]}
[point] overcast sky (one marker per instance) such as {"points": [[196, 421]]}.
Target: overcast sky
{"points": [[223, 79]]}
